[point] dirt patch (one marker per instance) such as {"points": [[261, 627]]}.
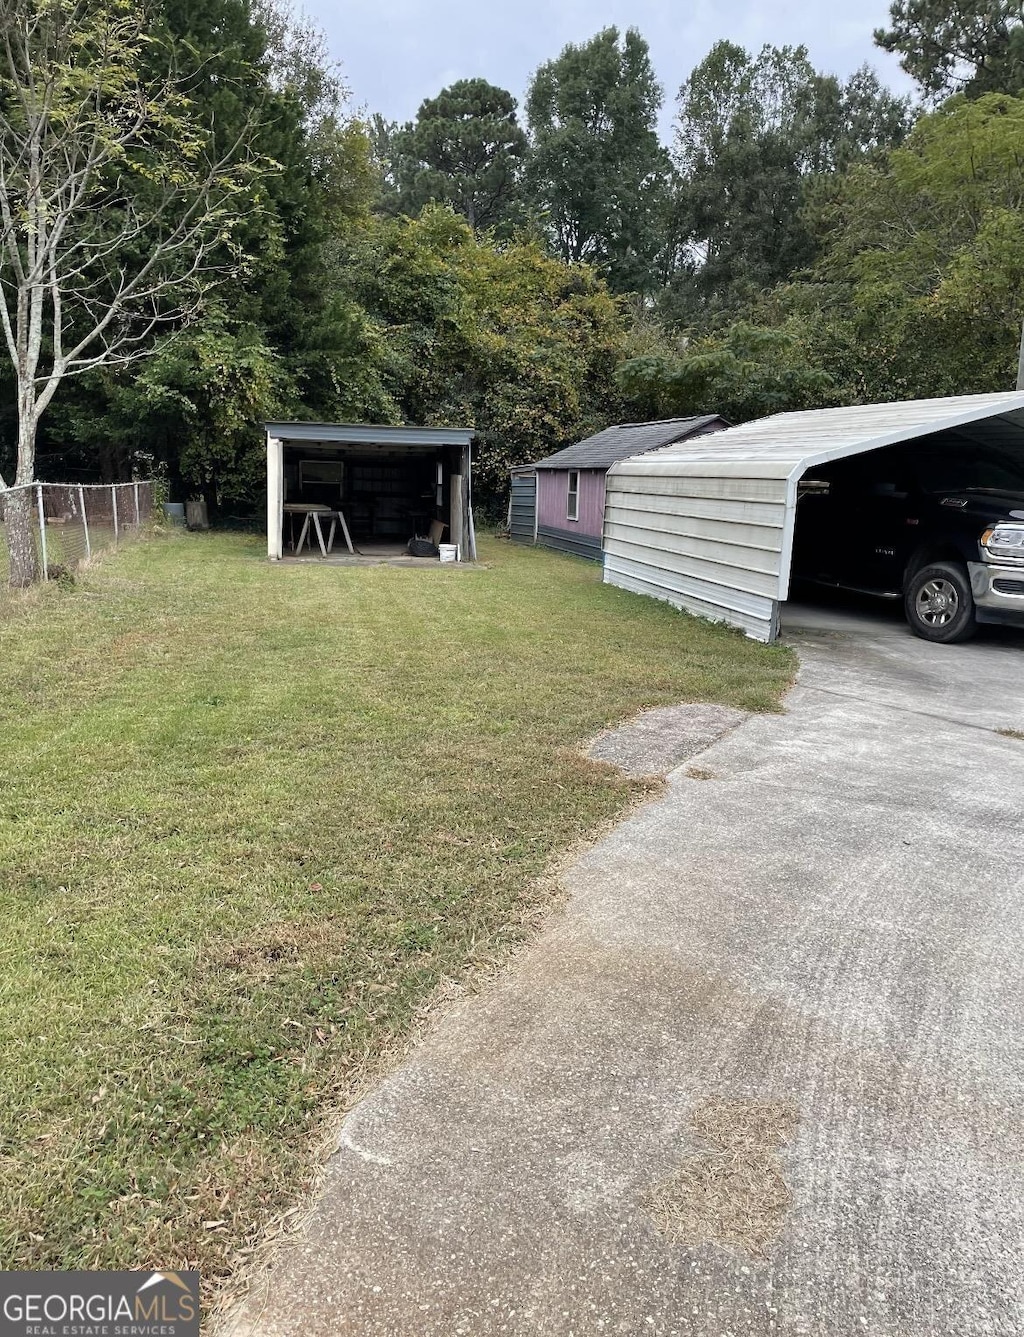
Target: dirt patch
{"points": [[270, 948], [657, 741], [734, 1193]]}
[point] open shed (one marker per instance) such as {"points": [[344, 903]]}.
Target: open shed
{"points": [[374, 486], [709, 525]]}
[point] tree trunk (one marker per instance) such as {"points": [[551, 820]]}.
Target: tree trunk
{"points": [[20, 504], [19, 509]]}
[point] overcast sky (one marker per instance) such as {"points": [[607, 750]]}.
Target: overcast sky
{"points": [[394, 53]]}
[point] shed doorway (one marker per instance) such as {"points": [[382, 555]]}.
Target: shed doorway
{"points": [[345, 493]]}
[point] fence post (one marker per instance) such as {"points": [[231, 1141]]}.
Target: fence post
{"points": [[42, 531], [113, 502], [85, 522], [138, 518]]}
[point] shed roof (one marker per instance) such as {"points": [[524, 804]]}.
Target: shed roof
{"points": [[368, 434], [787, 444], [628, 438]]}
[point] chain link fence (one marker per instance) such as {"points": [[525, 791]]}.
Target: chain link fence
{"points": [[47, 529]]}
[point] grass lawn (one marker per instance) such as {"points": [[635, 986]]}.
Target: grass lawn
{"points": [[250, 817]]}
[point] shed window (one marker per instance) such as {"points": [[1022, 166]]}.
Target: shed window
{"points": [[572, 505]]}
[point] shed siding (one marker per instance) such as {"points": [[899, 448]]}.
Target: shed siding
{"points": [[570, 540], [523, 513], [553, 492]]}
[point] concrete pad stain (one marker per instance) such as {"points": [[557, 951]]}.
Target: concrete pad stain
{"points": [[657, 741], [734, 1193]]}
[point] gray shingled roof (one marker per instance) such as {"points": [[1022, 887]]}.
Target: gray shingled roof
{"points": [[628, 438]]}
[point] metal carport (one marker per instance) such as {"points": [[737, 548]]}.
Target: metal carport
{"points": [[708, 525]]}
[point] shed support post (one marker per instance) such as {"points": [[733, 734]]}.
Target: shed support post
{"points": [[456, 514], [470, 532], [275, 497], [467, 504]]}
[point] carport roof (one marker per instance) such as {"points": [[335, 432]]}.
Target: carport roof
{"points": [[787, 444], [368, 434]]}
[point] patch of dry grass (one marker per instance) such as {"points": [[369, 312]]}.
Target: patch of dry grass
{"points": [[733, 1193]]}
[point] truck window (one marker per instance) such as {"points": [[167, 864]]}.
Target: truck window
{"points": [[957, 468]]}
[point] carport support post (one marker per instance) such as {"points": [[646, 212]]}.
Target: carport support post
{"points": [[275, 497]]}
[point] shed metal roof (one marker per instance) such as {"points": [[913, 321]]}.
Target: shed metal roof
{"points": [[788, 444], [628, 438], [368, 434]]}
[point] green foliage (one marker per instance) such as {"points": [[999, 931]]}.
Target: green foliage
{"points": [[279, 303], [753, 133], [797, 249], [504, 338], [198, 397], [598, 175], [926, 257], [466, 149], [747, 372], [948, 46], [121, 201]]}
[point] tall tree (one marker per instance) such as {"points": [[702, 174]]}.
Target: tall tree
{"points": [[501, 336], [465, 148], [116, 208], [597, 172], [746, 372], [753, 131], [280, 320], [926, 255], [949, 46]]}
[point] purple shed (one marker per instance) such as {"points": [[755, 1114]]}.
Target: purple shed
{"points": [[570, 484]]}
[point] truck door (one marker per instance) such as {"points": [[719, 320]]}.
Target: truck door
{"points": [[887, 519]]}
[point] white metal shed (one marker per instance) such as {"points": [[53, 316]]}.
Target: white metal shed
{"points": [[708, 525]]}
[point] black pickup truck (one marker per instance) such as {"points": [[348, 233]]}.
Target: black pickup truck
{"points": [[937, 524]]}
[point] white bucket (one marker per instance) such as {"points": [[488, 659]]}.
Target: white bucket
{"points": [[449, 552]]}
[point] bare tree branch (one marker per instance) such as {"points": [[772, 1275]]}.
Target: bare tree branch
{"points": [[116, 215]]}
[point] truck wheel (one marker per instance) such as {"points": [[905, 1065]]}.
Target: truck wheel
{"points": [[939, 604]]}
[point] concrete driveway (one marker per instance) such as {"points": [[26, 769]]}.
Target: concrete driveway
{"points": [[823, 914]]}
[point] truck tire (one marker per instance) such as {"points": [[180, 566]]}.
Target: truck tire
{"points": [[939, 604]]}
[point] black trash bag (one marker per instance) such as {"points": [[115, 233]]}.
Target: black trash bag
{"points": [[423, 548]]}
